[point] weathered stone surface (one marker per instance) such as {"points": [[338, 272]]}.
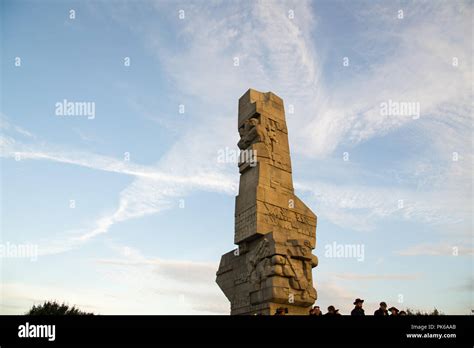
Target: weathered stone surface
{"points": [[274, 230]]}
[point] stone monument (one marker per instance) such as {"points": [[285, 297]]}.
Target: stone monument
{"points": [[274, 230]]}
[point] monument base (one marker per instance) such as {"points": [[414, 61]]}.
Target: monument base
{"points": [[270, 309]]}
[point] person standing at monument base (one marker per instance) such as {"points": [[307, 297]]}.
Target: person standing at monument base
{"points": [[332, 311], [382, 310], [358, 310], [315, 311]]}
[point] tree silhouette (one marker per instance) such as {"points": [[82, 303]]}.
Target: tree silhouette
{"points": [[418, 312], [54, 308]]}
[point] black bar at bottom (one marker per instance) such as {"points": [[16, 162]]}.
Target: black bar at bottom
{"points": [[235, 330]]}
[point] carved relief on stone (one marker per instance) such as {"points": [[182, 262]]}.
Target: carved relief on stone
{"points": [[271, 139], [259, 266], [251, 132]]}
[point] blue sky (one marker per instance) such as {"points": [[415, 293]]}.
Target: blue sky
{"points": [[146, 234]]}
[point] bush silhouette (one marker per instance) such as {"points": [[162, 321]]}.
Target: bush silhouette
{"points": [[418, 312], [54, 308]]}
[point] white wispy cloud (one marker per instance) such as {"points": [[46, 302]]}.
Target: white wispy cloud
{"points": [[179, 270], [191, 282], [154, 189], [416, 66], [362, 207], [364, 277], [413, 67], [5, 126], [140, 285], [451, 248]]}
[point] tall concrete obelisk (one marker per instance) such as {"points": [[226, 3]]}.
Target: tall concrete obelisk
{"points": [[274, 230]]}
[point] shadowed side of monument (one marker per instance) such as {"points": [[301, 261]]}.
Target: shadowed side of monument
{"points": [[274, 230]]}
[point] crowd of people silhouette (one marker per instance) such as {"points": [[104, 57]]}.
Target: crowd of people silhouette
{"points": [[357, 311]]}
